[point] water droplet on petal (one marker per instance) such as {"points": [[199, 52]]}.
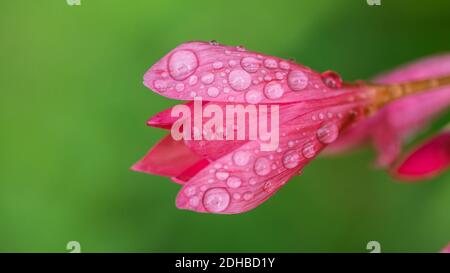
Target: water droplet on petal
{"points": [[239, 79], [234, 182], [247, 196], [270, 63], [241, 158], [253, 96], [285, 65], [252, 181], [279, 75], [308, 150], [208, 78], [231, 63], [194, 201], [291, 159], [213, 91], [160, 85], [217, 65], [250, 64], [297, 80], [269, 187], [262, 166], [240, 48], [216, 199], [182, 64], [328, 133], [273, 90], [236, 196], [193, 80], [331, 79], [291, 143], [222, 175], [213, 43], [190, 191]]}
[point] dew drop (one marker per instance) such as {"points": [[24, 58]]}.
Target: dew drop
{"points": [[331, 79], [297, 80], [279, 75], [262, 166], [328, 133], [213, 92], [291, 159], [247, 196], [222, 175], [160, 85], [252, 181], [250, 64], [216, 199], [239, 79], [308, 150], [194, 201], [240, 48], [270, 63], [182, 64], [285, 65], [241, 158], [231, 63], [208, 78], [291, 143], [236, 196], [193, 80], [234, 182], [190, 191], [268, 187], [273, 90], [217, 65], [213, 43]]}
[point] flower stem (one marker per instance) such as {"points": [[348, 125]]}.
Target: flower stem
{"points": [[383, 94]]}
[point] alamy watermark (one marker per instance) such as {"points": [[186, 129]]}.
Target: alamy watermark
{"points": [[227, 122]]}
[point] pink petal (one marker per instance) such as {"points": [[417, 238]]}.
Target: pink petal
{"points": [[164, 119], [430, 159], [246, 177], [168, 158], [394, 123], [231, 74]]}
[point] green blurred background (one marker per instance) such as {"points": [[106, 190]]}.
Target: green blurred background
{"points": [[73, 111]]}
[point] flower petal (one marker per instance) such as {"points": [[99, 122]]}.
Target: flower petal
{"points": [[232, 74], [430, 159], [394, 123], [246, 177], [167, 158]]}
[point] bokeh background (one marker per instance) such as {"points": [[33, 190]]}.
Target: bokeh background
{"points": [[73, 111]]}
